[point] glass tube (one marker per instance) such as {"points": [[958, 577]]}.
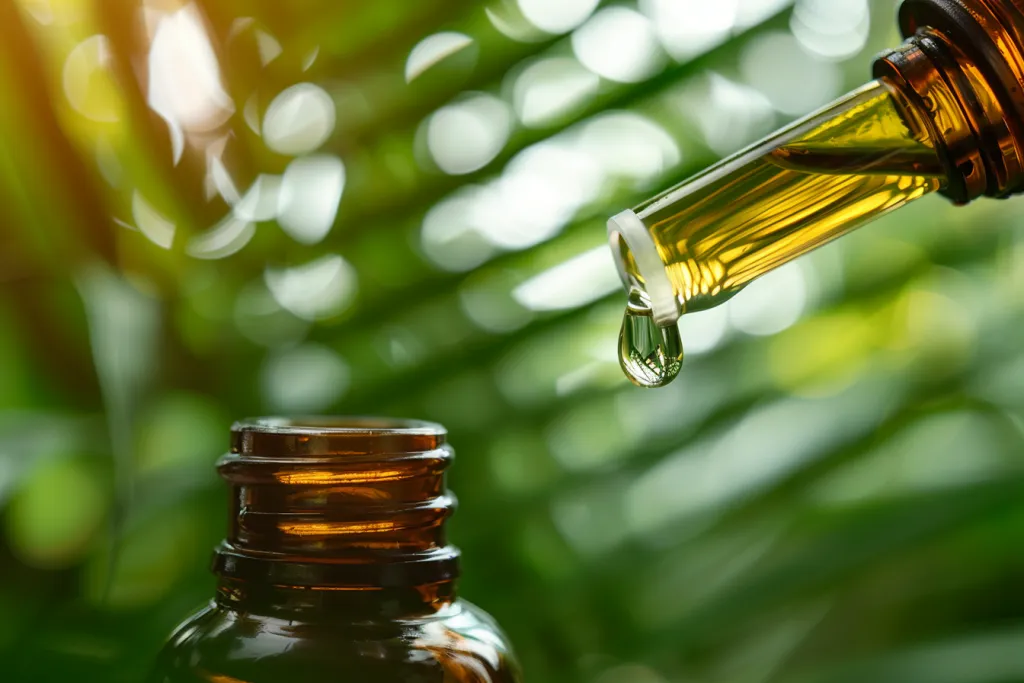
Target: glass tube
{"points": [[697, 244]]}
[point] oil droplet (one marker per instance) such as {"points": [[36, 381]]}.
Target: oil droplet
{"points": [[651, 356]]}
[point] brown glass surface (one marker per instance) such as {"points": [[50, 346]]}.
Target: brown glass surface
{"points": [[456, 643], [336, 566], [977, 48], [337, 502]]}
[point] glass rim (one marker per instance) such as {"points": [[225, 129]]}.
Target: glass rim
{"points": [[337, 425], [330, 435]]}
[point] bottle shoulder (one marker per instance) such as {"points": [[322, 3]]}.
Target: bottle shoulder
{"points": [[460, 644]]}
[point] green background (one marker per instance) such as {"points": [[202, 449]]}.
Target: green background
{"points": [[832, 491]]}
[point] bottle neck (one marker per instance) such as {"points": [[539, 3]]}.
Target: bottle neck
{"points": [[341, 517], [339, 605], [961, 70]]}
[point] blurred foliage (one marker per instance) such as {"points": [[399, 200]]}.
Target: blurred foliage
{"points": [[218, 209]]}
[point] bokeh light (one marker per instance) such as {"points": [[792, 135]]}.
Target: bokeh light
{"points": [[832, 29], [57, 512], [321, 288], [308, 198], [451, 237], [299, 119], [88, 83], [729, 114], [689, 27], [305, 379], [185, 86], [263, 321], [770, 304], [582, 279], [630, 145], [636, 56], [550, 88], [432, 50], [771, 62], [466, 135], [156, 227], [557, 17], [224, 239]]}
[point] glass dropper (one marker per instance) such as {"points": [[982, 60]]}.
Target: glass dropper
{"points": [[930, 121]]}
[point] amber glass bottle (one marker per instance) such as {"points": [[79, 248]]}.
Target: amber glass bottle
{"points": [[336, 568], [945, 113]]}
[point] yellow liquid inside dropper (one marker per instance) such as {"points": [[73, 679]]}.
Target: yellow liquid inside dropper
{"points": [[816, 180]]}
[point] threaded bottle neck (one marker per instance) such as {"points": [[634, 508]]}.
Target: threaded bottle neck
{"points": [[337, 504], [325, 604], [961, 70]]}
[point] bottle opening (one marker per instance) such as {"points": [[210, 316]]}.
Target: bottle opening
{"points": [[338, 425], [329, 435]]}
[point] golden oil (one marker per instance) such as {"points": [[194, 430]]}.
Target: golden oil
{"points": [[650, 355], [810, 184]]}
